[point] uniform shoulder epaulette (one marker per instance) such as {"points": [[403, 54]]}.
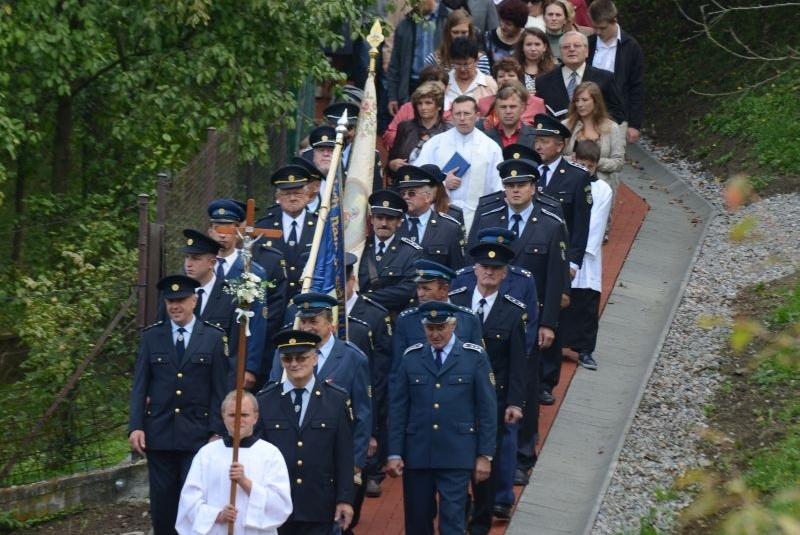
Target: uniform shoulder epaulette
{"points": [[449, 218], [217, 327], [338, 388], [516, 301], [493, 210], [156, 324], [576, 164], [267, 387], [547, 199], [412, 348], [411, 242], [521, 271], [551, 214], [491, 198], [457, 291], [271, 249], [465, 269], [357, 320], [473, 347], [374, 303], [407, 312], [351, 345], [467, 310]]}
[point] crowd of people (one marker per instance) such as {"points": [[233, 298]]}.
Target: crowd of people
{"points": [[482, 263]]}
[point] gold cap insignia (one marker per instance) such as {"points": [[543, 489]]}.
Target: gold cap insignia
{"points": [[420, 272], [407, 177], [492, 254], [324, 138], [386, 204], [291, 178], [500, 239], [292, 340], [306, 305], [434, 313], [513, 172], [540, 125], [189, 241], [516, 155], [221, 211], [175, 287]]}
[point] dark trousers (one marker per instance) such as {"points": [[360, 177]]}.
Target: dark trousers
{"points": [[293, 527], [529, 426], [550, 360], [358, 502], [167, 470], [420, 488], [483, 493], [580, 329]]}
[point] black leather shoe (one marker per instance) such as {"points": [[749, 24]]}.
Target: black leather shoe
{"points": [[502, 511], [521, 477], [546, 397]]}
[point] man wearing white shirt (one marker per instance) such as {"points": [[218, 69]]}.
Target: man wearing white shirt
{"points": [[614, 50], [476, 148]]}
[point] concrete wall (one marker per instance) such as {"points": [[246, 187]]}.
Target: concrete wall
{"points": [[125, 482]]}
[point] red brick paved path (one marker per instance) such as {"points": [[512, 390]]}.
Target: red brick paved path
{"points": [[384, 515]]}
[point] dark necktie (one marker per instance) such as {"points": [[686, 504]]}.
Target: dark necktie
{"points": [[293, 235], [573, 81], [298, 403], [381, 250], [438, 359], [479, 312], [180, 346], [515, 227], [543, 176], [415, 229], [316, 366], [220, 267], [198, 306]]}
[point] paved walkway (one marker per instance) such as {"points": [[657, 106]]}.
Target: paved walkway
{"points": [[595, 408]]}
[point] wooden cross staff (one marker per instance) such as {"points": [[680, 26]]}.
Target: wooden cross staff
{"points": [[250, 235]]}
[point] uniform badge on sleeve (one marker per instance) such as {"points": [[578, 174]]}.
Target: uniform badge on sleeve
{"points": [[491, 378]]}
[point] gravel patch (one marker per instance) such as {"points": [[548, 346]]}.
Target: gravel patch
{"points": [[662, 443]]}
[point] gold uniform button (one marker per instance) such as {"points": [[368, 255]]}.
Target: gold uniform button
{"points": [[299, 462], [299, 481], [438, 385], [178, 392], [322, 425], [459, 379], [435, 427], [471, 429], [159, 359], [277, 426], [180, 375], [177, 411], [435, 405], [299, 443]]}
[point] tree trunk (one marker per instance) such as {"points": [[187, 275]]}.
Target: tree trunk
{"points": [[62, 159]]}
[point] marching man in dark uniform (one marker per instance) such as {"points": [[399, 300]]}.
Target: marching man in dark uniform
{"points": [[339, 362], [567, 182], [269, 265], [308, 420], [433, 284], [290, 216], [386, 270], [442, 423], [440, 235], [178, 386], [216, 306], [503, 318], [363, 309]]}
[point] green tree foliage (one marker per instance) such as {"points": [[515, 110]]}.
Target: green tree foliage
{"points": [[96, 96]]}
